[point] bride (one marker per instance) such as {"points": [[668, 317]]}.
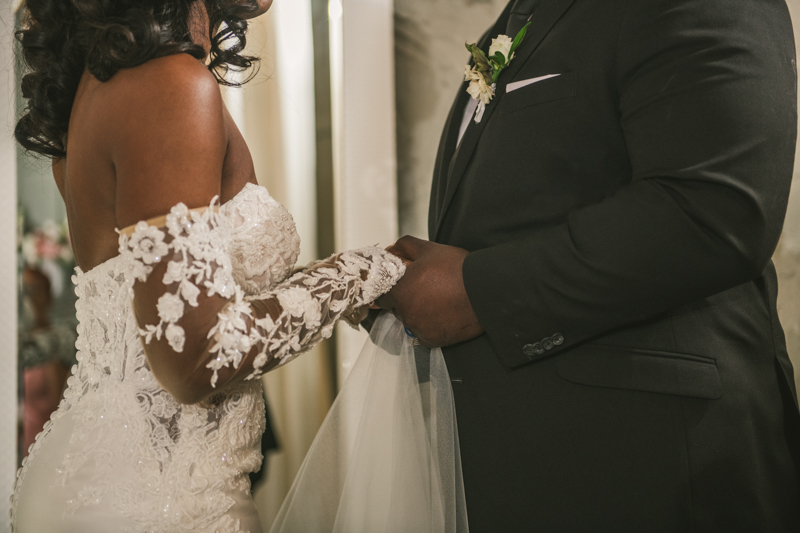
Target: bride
{"points": [[188, 303]]}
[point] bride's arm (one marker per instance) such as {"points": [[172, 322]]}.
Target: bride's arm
{"points": [[198, 330]]}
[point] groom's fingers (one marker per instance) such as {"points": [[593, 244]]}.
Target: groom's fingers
{"points": [[386, 301], [408, 247]]}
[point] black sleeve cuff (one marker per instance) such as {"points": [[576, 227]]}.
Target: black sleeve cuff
{"points": [[518, 332]]}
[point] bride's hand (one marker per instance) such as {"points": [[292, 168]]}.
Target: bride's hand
{"points": [[357, 315], [392, 249]]}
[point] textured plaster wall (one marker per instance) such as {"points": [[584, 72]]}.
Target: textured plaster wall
{"points": [[787, 263], [430, 58], [787, 256]]}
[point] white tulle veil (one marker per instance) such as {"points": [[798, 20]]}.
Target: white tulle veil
{"points": [[386, 458]]}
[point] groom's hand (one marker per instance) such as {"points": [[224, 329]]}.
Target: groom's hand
{"points": [[430, 299]]}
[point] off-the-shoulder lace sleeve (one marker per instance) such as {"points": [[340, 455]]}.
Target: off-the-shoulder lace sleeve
{"points": [[181, 278]]}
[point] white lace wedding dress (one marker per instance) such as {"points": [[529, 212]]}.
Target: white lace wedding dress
{"points": [[121, 454]]}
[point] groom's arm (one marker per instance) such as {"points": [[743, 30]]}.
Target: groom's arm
{"points": [[708, 107]]}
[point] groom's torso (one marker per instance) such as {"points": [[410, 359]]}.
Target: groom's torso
{"points": [[574, 442], [541, 150]]}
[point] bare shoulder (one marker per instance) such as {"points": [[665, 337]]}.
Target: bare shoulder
{"points": [[173, 72], [171, 85], [168, 140]]}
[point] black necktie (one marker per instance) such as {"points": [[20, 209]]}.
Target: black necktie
{"points": [[520, 13]]}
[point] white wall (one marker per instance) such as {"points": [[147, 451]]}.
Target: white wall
{"points": [[364, 157]]}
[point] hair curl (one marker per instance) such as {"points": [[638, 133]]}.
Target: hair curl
{"points": [[62, 38]]}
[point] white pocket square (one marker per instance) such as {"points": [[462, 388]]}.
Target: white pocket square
{"points": [[524, 83]]}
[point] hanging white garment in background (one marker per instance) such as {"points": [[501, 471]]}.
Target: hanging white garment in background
{"points": [[386, 457]]}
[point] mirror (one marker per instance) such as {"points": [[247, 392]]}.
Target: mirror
{"points": [[46, 300]]}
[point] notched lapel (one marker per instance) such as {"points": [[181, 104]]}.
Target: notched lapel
{"points": [[450, 136], [444, 157], [542, 20]]}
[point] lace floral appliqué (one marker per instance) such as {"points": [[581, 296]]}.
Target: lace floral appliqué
{"points": [[311, 301]]}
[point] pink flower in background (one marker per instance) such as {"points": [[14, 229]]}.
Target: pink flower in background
{"points": [[46, 247], [49, 242]]}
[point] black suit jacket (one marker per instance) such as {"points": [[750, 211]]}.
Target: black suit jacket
{"points": [[621, 217]]}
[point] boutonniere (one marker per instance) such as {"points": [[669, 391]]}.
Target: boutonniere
{"points": [[483, 76]]}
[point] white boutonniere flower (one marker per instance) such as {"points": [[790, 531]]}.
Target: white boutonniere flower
{"points": [[482, 77], [502, 44]]}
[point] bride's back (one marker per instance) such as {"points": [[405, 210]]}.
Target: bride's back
{"points": [[139, 130], [129, 139]]}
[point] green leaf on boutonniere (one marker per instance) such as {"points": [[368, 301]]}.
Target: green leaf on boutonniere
{"points": [[481, 61], [518, 39], [499, 59]]}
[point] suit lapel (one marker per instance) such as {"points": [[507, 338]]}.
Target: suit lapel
{"points": [[447, 144], [543, 19]]}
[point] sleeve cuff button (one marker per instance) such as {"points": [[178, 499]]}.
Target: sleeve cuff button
{"points": [[529, 350], [532, 350]]}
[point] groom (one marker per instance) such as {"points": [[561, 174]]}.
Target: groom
{"points": [[599, 271]]}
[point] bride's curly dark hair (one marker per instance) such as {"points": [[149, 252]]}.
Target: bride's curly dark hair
{"points": [[62, 38]]}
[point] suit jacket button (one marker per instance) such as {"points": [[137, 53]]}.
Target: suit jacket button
{"points": [[558, 339], [529, 350], [538, 349], [547, 344]]}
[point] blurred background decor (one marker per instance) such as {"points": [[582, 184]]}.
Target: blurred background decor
{"points": [[47, 324]]}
